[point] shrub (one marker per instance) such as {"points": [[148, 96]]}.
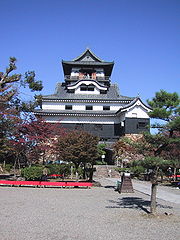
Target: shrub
{"points": [[8, 167], [79, 171], [32, 173], [64, 169]]}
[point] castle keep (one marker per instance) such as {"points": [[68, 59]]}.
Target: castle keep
{"points": [[87, 100]]}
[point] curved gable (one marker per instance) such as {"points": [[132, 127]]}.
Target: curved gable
{"points": [[87, 83]]}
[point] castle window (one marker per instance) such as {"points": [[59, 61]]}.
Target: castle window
{"points": [[90, 87], [89, 107], [103, 91], [83, 87], [68, 107], [106, 108]]}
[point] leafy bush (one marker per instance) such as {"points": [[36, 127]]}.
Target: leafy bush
{"points": [[79, 171], [62, 169], [8, 167], [101, 149], [32, 173]]}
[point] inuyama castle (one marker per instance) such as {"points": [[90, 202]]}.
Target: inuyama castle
{"points": [[87, 99]]}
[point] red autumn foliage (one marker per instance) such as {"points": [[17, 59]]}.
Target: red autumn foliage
{"points": [[35, 139]]}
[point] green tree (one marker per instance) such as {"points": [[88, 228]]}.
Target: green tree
{"points": [[101, 149], [101, 153], [8, 88], [165, 107], [157, 147], [11, 104], [78, 147], [154, 166]]}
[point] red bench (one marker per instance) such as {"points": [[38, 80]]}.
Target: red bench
{"points": [[43, 184]]}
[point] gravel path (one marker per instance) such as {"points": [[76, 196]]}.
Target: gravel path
{"points": [[83, 214]]}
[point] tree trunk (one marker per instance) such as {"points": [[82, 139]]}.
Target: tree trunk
{"points": [[4, 164], [71, 172], [153, 198], [43, 157], [175, 177], [76, 171], [84, 171], [91, 174]]}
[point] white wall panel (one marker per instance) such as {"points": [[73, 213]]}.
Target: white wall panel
{"points": [[53, 106], [137, 111], [97, 108], [114, 108], [79, 107]]}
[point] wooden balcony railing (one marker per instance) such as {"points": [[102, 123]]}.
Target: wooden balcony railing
{"points": [[76, 78]]}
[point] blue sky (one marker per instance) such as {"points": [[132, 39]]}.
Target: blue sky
{"points": [[142, 37]]}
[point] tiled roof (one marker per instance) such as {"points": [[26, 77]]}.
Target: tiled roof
{"points": [[132, 103], [88, 63], [88, 52], [75, 112], [111, 95]]}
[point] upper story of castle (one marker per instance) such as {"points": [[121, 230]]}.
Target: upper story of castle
{"points": [[87, 74]]}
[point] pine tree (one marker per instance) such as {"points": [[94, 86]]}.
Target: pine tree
{"points": [[11, 105], [166, 108]]}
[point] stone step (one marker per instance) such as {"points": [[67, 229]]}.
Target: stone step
{"points": [[106, 171]]}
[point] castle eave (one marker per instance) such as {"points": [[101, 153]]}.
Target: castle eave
{"points": [[73, 114]]}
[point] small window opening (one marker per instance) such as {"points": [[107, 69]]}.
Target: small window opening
{"points": [[83, 87], [68, 107], [103, 91], [89, 107], [106, 108], [90, 88]]}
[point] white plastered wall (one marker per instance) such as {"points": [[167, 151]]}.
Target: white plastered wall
{"points": [[53, 106], [137, 111], [75, 106]]}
